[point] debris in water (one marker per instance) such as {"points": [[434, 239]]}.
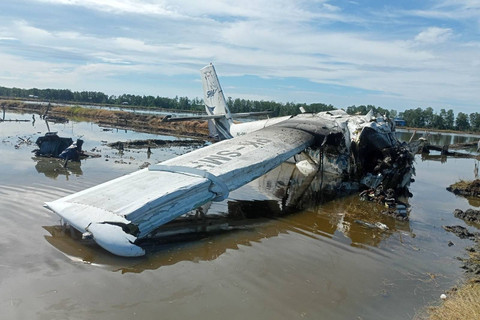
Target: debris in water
{"points": [[466, 188], [469, 215], [461, 232], [51, 145], [155, 143], [144, 165], [395, 208], [376, 225]]}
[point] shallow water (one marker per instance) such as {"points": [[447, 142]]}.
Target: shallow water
{"points": [[259, 256]]}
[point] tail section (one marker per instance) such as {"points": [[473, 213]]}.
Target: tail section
{"points": [[215, 104]]}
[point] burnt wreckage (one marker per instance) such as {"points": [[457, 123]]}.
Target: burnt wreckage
{"points": [[363, 150], [51, 145], [349, 152]]}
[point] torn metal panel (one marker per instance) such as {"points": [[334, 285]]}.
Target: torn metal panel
{"points": [[51, 145]]}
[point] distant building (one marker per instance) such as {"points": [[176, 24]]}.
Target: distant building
{"points": [[400, 122], [125, 102]]}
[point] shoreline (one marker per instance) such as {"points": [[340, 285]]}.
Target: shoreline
{"points": [[463, 300], [117, 118], [430, 130]]}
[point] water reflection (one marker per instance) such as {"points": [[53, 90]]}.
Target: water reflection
{"points": [[437, 138], [284, 201], [53, 167]]}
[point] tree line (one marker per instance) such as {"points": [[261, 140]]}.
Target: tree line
{"points": [[419, 118], [177, 103], [94, 97], [427, 118]]}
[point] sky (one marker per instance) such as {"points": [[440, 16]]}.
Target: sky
{"points": [[392, 54]]}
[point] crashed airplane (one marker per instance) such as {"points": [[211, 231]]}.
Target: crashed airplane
{"points": [[118, 214]]}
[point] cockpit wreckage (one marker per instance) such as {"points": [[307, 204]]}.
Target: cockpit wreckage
{"points": [[359, 152]]}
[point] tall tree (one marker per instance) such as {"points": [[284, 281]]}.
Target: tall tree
{"points": [[449, 120], [461, 122], [475, 121]]}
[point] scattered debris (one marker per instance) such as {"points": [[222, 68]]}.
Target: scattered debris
{"points": [[22, 141], [469, 215], [73, 152], [14, 120], [472, 263], [56, 119], [144, 165], [51, 145], [395, 208], [461, 232], [155, 143], [376, 225], [445, 149]]}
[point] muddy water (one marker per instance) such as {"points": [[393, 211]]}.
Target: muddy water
{"points": [[270, 251]]}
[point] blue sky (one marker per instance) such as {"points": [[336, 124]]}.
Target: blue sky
{"points": [[394, 54]]}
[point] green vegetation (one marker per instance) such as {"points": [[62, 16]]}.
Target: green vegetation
{"points": [[93, 97], [177, 103], [426, 118], [418, 118], [278, 109]]}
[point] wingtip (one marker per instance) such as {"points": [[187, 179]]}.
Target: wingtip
{"points": [[113, 239]]}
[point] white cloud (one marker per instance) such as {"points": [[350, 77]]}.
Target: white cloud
{"points": [[118, 6], [267, 38], [434, 35]]}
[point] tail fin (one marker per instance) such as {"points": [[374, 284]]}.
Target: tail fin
{"points": [[215, 103]]}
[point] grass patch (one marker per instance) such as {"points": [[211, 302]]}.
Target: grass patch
{"points": [[462, 303]]}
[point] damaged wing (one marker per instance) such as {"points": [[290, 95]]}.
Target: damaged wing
{"points": [[120, 211]]}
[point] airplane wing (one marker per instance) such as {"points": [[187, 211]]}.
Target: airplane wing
{"points": [[118, 212]]}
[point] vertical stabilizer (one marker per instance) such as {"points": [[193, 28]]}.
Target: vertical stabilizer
{"points": [[215, 103]]}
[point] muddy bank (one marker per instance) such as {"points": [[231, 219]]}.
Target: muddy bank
{"points": [[116, 118], [469, 215], [462, 232], [466, 188], [156, 143], [471, 264]]}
